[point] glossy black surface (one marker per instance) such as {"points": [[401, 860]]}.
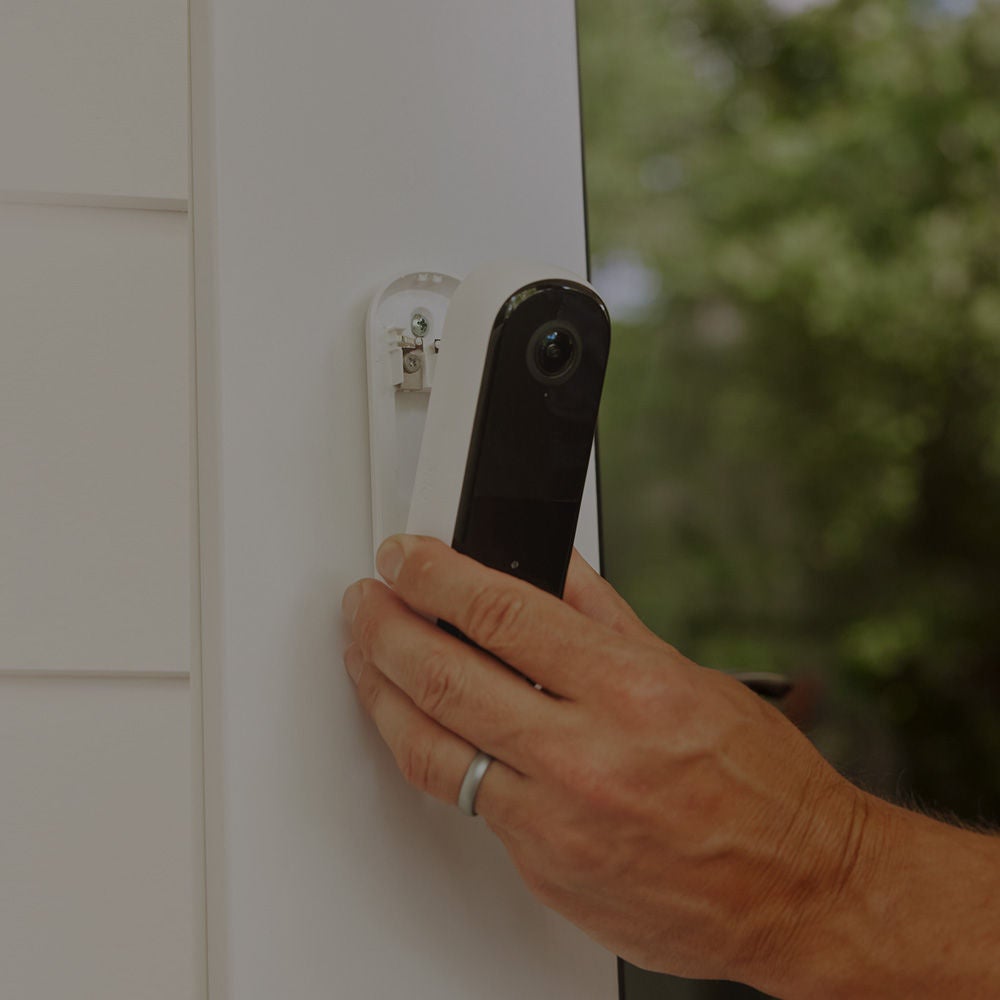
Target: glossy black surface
{"points": [[533, 433]]}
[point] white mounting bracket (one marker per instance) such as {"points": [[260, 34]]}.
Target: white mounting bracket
{"points": [[403, 338]]}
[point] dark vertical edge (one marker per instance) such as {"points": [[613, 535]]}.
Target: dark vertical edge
{"points": [[586, 243], [597, 447], [583, 144], [621, 978]]}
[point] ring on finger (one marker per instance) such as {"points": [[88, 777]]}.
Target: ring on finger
{"points": [[474, 775]]}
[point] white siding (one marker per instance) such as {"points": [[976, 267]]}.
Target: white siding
{"points": [[93, 99], [101, 885], [96, 561], [95, 839]]}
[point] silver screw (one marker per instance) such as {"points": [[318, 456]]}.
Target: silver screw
{"points": [[419, 325], [411, 363]]}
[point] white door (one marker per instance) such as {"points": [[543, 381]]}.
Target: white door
{"points": [[336, 146], [184, 486]]}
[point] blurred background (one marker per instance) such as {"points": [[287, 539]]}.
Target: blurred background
{"points": [[794, 213]]}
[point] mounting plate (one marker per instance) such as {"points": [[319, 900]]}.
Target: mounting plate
{"points": [[402, 337]]}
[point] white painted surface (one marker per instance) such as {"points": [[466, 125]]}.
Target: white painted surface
{"points": [[336, 146], [94, 98], [96, 389], [95, 839], [101, 884]]}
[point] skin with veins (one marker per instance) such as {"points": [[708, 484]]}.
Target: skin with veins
{"points": [[674, 816]]}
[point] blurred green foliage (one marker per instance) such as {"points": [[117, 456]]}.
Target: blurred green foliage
{"points": [[800, 437]]}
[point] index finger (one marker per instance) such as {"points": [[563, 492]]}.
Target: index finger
{"points": [[588, 592], [529, 629]]}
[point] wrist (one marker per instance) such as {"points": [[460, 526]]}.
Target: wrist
{"points": [[831, 899], [836, 953], [911, 909]]}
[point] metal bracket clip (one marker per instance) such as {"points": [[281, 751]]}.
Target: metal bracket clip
{"points": [[402, 337], [414, 363]]}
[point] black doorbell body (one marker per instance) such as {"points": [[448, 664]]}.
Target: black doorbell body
{"points": [[511, 421]]}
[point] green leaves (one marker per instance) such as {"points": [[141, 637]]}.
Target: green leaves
{"points": [[800, 441]]}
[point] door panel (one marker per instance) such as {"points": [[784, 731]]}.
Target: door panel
{"points": [[351, 142]]}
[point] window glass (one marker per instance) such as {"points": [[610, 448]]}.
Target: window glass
{"points": [[794, 216]]}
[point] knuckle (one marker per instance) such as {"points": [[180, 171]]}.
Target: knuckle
{"points": [[650, 695], [619, 622], [366, 628], [495, 615], [626, 624], [439, 688], [421, 564], [416, 762], [369, 688]]}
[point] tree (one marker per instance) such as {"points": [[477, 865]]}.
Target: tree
{"points": [[800, 439]]}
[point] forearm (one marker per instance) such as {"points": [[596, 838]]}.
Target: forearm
{"points": [[918, 915]]}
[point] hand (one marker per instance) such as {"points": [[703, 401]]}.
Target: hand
{"points": [[674, 816]]}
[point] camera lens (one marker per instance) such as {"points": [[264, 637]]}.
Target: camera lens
{"points": [[555, 352]]}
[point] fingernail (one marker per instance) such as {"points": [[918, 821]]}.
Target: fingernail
{"points": [[389, 560], [353, 661], [352, 598]]}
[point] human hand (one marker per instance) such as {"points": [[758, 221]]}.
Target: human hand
{"points": [[674, 816]]}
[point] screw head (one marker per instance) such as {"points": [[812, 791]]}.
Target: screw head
{"points": [[419, 325]]}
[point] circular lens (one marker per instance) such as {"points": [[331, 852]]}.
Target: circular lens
{"points": [[554, 352]]}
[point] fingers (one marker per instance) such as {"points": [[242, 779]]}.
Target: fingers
{"points": [[462, 688], [534, 632], [591, 595], [431, 758]]}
